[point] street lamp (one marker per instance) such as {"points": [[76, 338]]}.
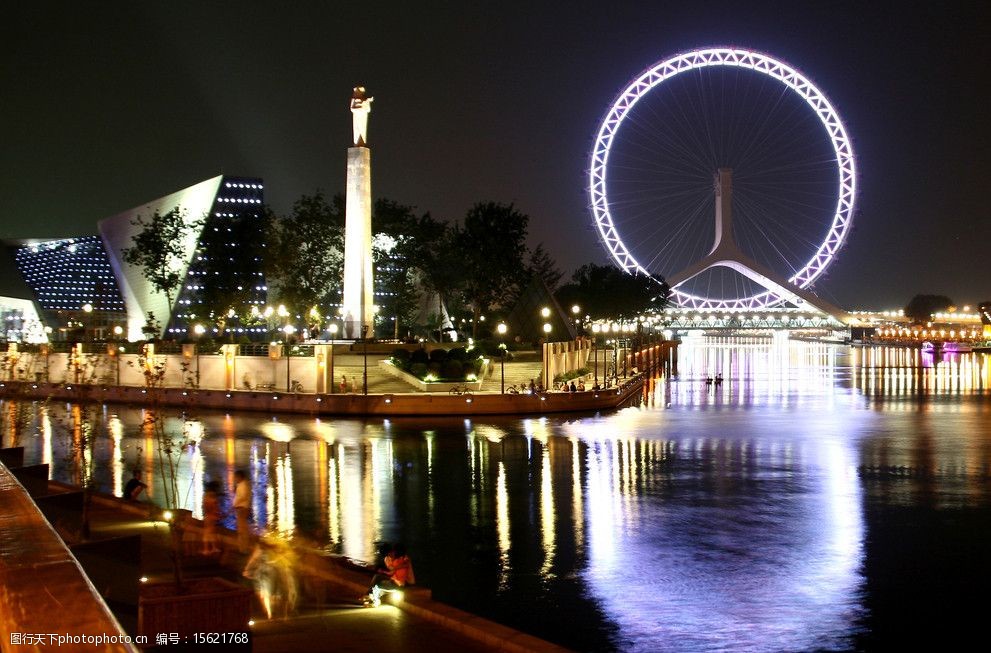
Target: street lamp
{"points": [[576, 310], [288, 330], [547, 333], [501, 328], [88, 310], [364, 351], [333, 336], [595, 352], [118, 332], [199, 330]]}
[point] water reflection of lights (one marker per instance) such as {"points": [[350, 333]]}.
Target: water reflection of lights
{"points": [[502, 524], [277, 431], [578, 520], [547, 510], [280, 501], [46, 439], [906, 371], [670, 564]]}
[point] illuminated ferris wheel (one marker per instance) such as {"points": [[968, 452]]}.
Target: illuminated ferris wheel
{"points": [[733, 135]]}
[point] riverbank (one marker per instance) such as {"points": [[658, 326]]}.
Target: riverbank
{"points": [[327, 617], [383, 405]]}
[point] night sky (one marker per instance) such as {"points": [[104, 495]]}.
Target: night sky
{"points": [[104, 106]]}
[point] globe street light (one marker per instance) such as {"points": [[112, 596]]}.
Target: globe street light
{"points": [[288, 330], [199, 330], [333, 336], [576, 310], [595, 352], [547, 366], [88, 310], [501, 328], [118, 332]]}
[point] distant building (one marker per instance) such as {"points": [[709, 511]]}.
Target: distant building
{"points": [[81, 285]]}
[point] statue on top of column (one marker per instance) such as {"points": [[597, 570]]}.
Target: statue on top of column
{"points": [[361, 106]]}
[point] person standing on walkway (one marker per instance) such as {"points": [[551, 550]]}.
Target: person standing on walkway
{"points": [[242, 510], [211, 515]]}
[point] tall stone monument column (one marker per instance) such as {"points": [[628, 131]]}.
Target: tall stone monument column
{"points": [[358, 310]]}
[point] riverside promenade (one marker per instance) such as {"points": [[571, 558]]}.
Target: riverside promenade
{"points": [[326, 617], [352, 404]]}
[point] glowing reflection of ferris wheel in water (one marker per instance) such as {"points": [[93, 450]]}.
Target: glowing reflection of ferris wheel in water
{"points": [[777, 287]]}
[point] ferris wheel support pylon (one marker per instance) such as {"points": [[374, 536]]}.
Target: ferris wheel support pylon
{"points": [[726, 253]]}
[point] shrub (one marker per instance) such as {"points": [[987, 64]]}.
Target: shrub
{"points": [[438, 356], [419, 356], [401, 356], [434, 368], [453, 369], [573, 374], [419, 370], [458, 353]]}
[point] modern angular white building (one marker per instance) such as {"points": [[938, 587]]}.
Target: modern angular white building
{"points": [[82, 283]]}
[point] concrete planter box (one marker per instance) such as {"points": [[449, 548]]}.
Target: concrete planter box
{"points": [[208, 605], [435, 386]]}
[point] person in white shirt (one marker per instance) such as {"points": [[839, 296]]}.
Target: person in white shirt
{"points": [[242, 509]]}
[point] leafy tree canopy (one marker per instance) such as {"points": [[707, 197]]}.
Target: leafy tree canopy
{"points": [[491, 244], [159, 249], [306, 256], [542, 265], [604, 291], [921, 307]]}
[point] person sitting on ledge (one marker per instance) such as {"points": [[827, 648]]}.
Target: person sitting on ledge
{"points": [[397, 574], [134, 487]]}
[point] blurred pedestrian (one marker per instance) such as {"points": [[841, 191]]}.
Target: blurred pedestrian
{"points": [[134, 487], [211, 515], [242, 510]]}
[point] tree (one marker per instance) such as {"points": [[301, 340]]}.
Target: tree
{"points": [[921, 307], [492, 244], [605, 291], [542, 265], [435, 263], [159, 249], [396, 252], [306, 258]]}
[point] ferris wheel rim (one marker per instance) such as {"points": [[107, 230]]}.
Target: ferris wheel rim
{"points": [[760, 63]]}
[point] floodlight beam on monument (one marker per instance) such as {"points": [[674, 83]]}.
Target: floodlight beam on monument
{"points": [[725, 252]]}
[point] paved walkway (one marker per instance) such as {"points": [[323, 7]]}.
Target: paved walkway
{"points": [[328, 620]]}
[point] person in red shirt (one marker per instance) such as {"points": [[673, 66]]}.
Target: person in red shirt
{"points": [[397, 574]]}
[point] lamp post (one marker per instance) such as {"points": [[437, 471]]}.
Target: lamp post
{"points": [[48, 350], [88, 310], [364, 351], [595, 351], [615, 353], [501, 328], [288, 330], [199, 330], [576, 311], [547, 366], [118, 332], [333, 336]]}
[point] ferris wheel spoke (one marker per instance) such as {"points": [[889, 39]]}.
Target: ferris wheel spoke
{"points": [[666, 144]]}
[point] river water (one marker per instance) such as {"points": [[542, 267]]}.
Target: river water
{"points": [[821, 497]]}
